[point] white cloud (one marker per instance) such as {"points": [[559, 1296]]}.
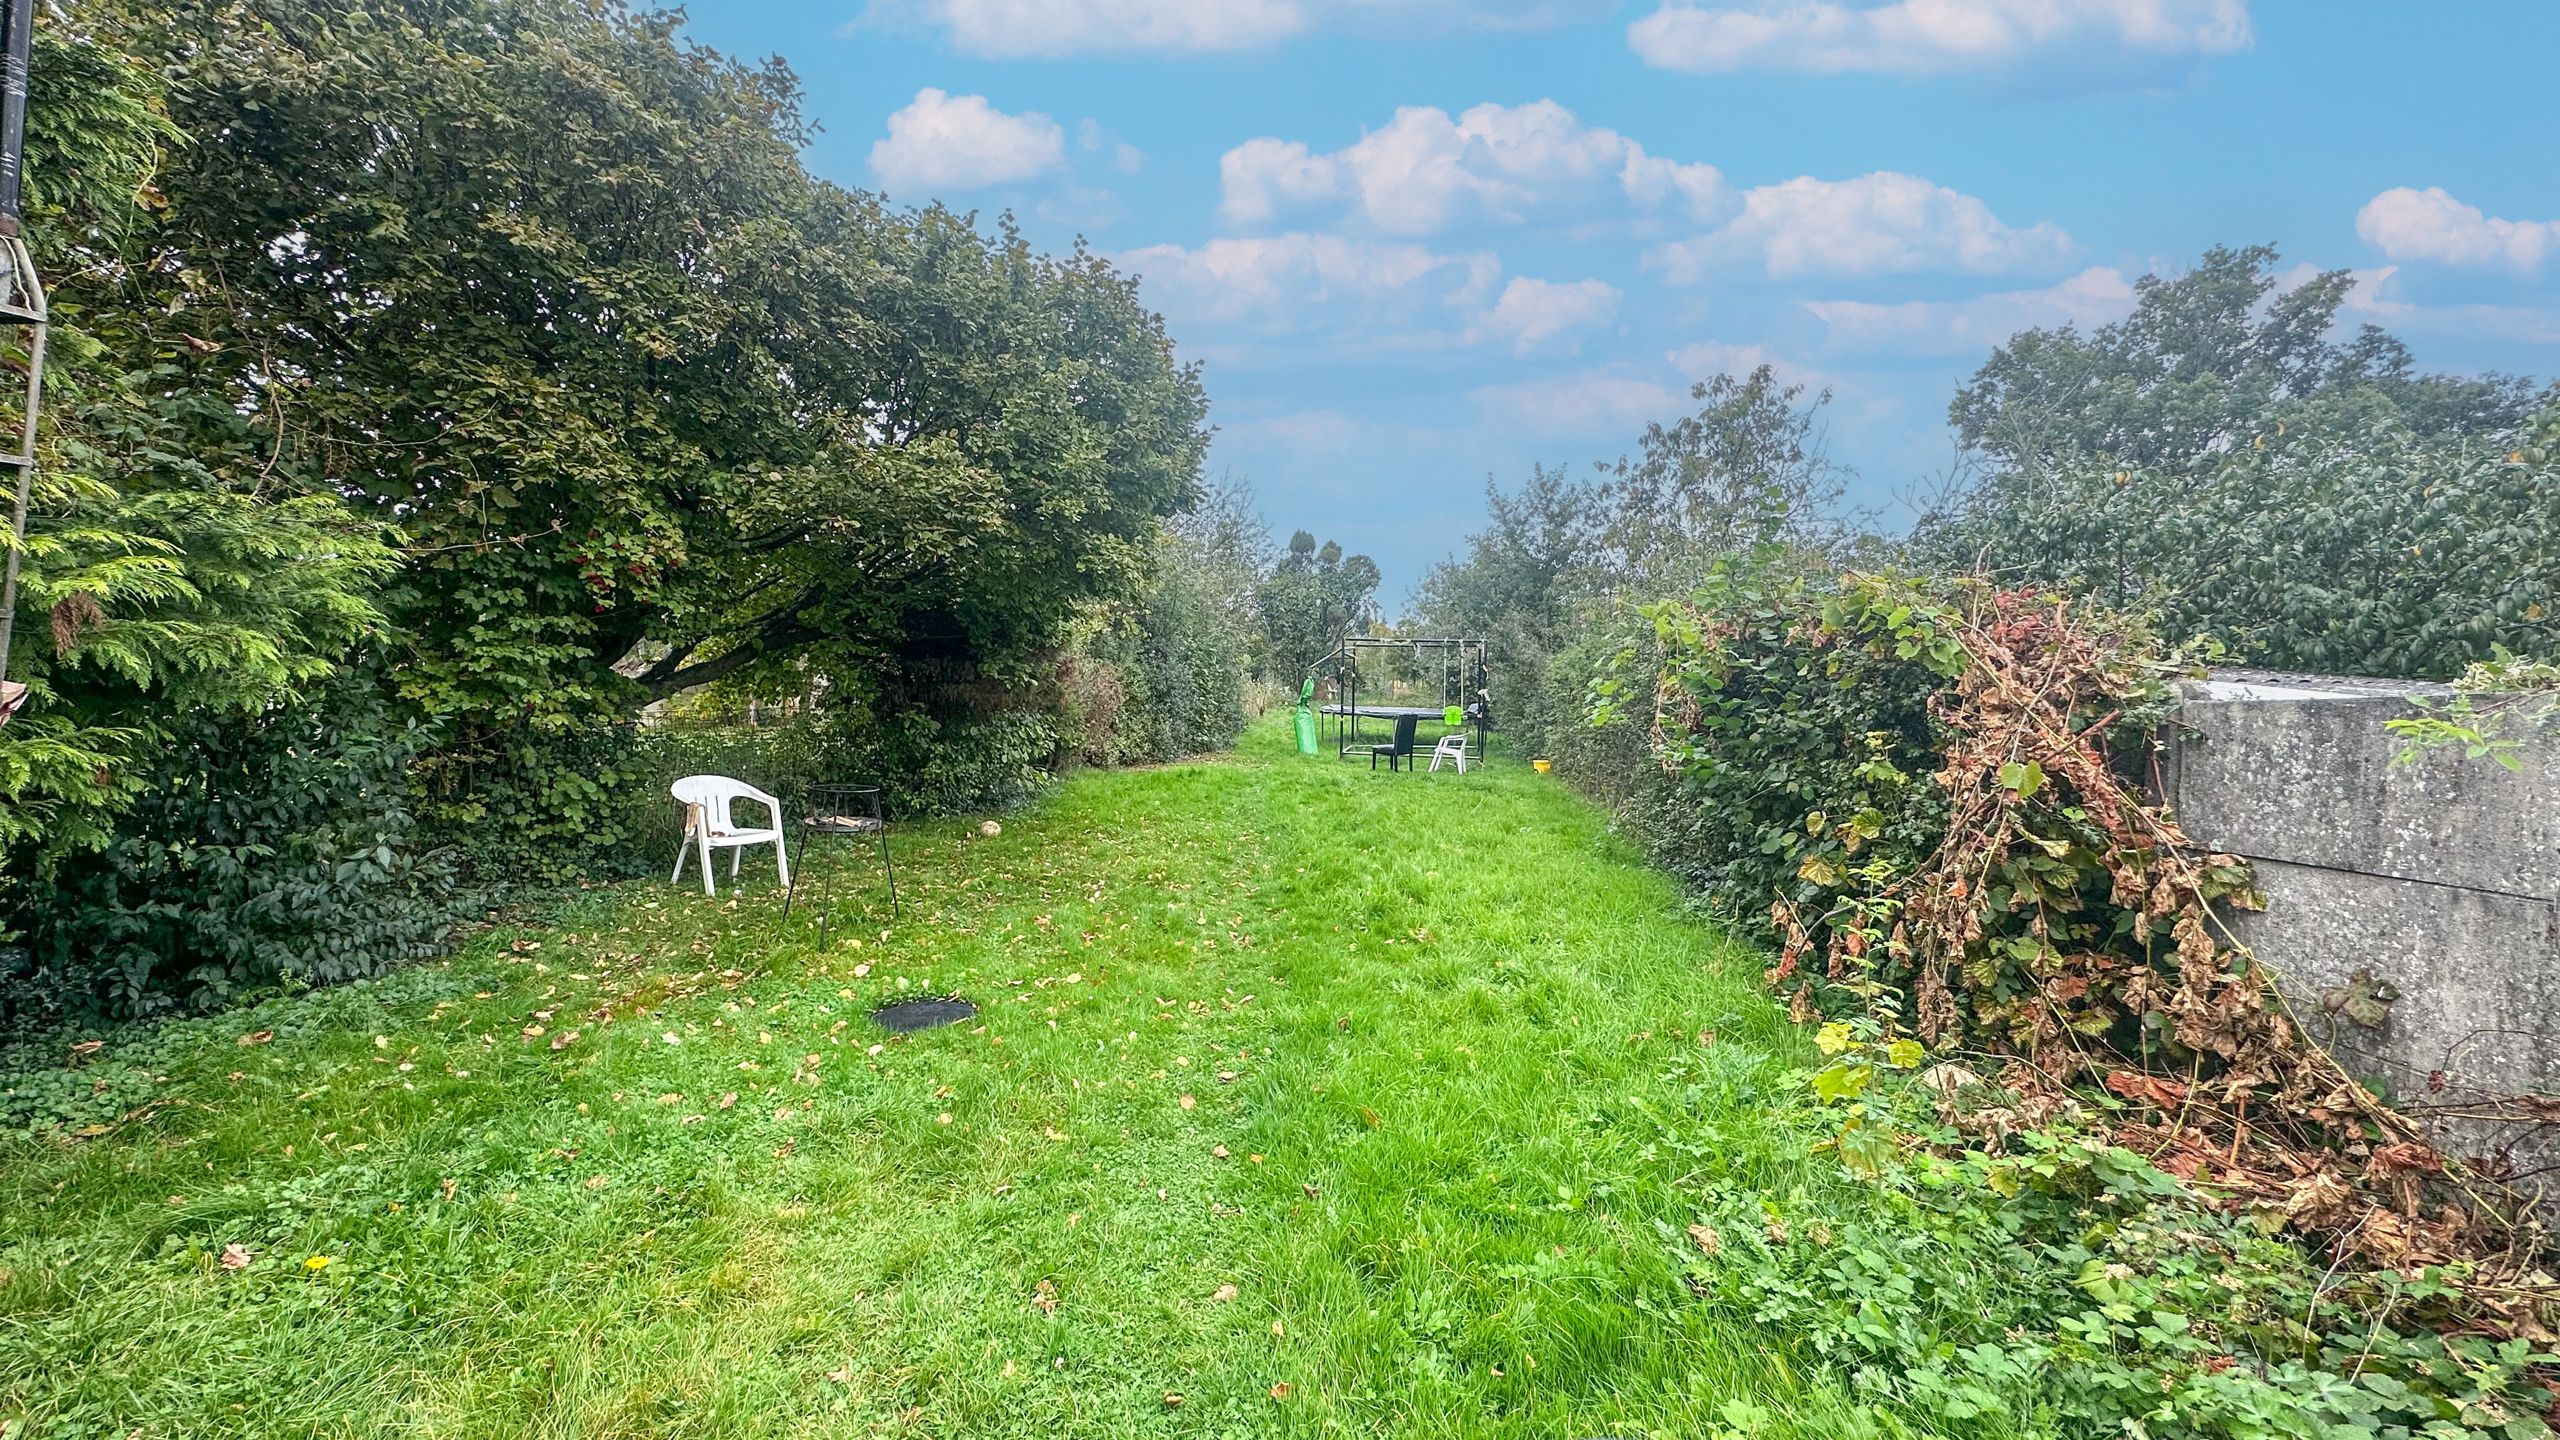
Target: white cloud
{"points": [[1876, 224], [1092, 139], [1425, 171], [1594, 402], [1327, 433], [1917, 37], [2376, 298], [1259, 179], [1315, 432], [1716, 357], [942, 142], [2096, 296], [1014, 28], [1299, 282], [1393, 293], [1531, 312], [2429, 224]]}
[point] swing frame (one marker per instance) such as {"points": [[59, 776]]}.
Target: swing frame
{"points": [[1468, 657]]}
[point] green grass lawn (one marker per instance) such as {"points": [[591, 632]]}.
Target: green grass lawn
{"points": [[1330, 1102]]}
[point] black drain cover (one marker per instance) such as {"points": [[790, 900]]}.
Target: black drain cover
{"points": [[909, 1015]]}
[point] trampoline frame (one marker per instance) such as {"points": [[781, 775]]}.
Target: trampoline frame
{"points": [[1472, 656]]}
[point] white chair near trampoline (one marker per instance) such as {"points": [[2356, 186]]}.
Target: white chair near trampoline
{"points": [[1451, 747], [708, 826]]}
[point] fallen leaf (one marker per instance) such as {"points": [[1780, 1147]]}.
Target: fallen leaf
{"points": [[1187, 1102], [1709, 1242], [2147, 1089], [1370, 1118], [1218, 1150], [1172, 1399], [1276, 1329], [1223, 1294], [87, 1048], [257, 1037], [1283, 1390], [235, 1257], [729, 1099]]}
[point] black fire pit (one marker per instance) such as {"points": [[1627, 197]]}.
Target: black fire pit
{"points": [[908, 1016]]}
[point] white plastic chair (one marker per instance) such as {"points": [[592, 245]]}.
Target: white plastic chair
{"points": [[1451, 747], [707, 825]]}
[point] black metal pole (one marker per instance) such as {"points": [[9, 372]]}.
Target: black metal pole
{"points": [[17, 23], [19, 18]]}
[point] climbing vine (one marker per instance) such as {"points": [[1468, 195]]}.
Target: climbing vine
{"points": [[1935, 795]]}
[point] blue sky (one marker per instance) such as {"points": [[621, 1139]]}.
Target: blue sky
{"points": [[1420, 243]]}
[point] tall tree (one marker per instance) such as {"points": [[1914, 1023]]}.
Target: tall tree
{"points": [[547, 287], [2209, 360], [1748, 466], [2221, 456], [1526, 573], [176, 564], [1312, 596]]}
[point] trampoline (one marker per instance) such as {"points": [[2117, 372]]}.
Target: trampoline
{"points": [[1390, 678], [1390, 712]]}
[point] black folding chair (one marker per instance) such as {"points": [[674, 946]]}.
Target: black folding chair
{"points": [[1398, 751]]}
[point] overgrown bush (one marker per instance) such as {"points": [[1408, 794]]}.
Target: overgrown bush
{"points": [[2357, 547], [925, 764], [269, 852], [537, 806], [1796, 758], [1192, 655], [1612, 763], [1933, 792], [2060, 1286], [1558, 557], [1160, 679], [2220, 461]]}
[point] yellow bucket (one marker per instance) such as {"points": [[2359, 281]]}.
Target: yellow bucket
{"points": [[1541, 766]]}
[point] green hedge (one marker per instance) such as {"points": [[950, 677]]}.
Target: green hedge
{"points": [[280, 852]]}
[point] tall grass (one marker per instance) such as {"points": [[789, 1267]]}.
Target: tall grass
{"points": [[1387, 1059]]}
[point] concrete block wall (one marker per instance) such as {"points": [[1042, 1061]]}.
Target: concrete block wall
{"points": [[2440, 878]]}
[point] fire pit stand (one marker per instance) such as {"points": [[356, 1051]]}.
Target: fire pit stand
{"points": [[846, 810]]}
